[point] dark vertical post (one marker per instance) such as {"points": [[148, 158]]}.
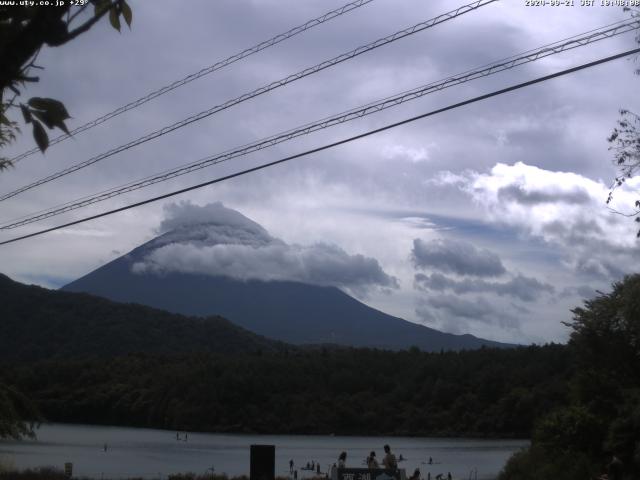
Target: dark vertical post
{"points": [[263, 462]]}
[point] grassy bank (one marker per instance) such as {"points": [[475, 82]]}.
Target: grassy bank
{"points": [[48, 473]]}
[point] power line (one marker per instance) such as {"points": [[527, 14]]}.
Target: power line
{"points": [[532, 55], [592, 36], [259, 91], [332, 145], [205, 71]]}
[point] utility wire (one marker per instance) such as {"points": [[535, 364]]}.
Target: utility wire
{"points": [[530, 56], [264, 89], [205, 71], [332, 145]]}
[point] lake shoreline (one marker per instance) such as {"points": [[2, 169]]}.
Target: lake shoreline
{"points": [[439, 435], [120, 452]]}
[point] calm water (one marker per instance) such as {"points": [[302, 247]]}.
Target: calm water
{"points": [[156, 453]]}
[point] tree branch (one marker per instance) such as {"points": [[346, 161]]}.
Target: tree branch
{"points": [[80, 10], [628, 215], [88, 24]]}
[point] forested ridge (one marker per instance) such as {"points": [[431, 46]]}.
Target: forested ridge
{"points": [[81, 358], [488, 392], [579, 403], [37, 323]]}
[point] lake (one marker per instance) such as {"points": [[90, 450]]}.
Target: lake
{"points": [[152, 453]]}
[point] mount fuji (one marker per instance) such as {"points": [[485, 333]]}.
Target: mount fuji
{"points": [[214, 261]]}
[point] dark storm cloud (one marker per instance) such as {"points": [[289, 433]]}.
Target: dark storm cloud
{"points": [[456, 256], [215, 240], [453, 311], [480, 308], [525, 288]]}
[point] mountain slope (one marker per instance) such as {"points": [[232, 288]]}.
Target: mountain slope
{"points": [[293, 312], [37, 323]]}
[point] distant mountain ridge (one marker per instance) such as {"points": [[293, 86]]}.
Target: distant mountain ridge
{"points": [[37, 323], [289, 311]]}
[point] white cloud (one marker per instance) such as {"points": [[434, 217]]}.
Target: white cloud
{"points": [[215, 240], [414, 155], [553, 205], [564, 209]]}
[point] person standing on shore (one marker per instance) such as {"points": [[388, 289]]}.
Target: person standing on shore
{"points": [[371, 461], [389, 461], [342, 460]]}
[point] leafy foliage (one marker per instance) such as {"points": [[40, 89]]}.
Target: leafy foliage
{"points": [[537, 463], [625, 142], [15, 407], [8, 131], [49, 473], [45, 473], [24, 30], [603, 415]]}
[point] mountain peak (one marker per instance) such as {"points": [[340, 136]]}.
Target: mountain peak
{"points": [[211, 260], [208, 225]]}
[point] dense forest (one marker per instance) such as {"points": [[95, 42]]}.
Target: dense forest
{"points": [[488, 392], [599, 428], [579, 403]]}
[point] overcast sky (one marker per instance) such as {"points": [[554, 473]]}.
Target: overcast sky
{"points": [[489, 219]]}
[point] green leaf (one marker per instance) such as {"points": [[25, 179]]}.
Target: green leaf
{"points": [[99, 6], [40, 135], [25, 113], [61, 125], [5, 163], [50, 120], [127, 14], [44, 117], [54, 107], [113, 19], [49, 111]]}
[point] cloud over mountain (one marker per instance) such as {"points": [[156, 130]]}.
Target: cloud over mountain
{"points": [[469, 271], [524, 288], [456, 256], [456, 314], [218, 241]]}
